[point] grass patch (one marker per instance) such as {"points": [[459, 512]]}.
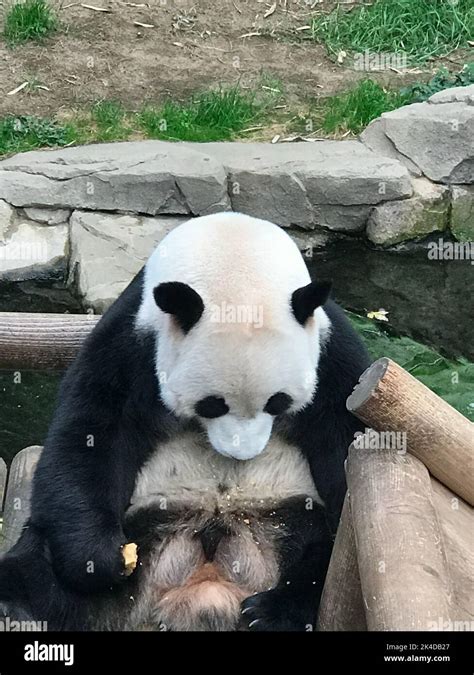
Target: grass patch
{"points": [[110, 121], [221, 115], [451, 379], [216, 115], [421, 29], [355, 109], [211, 116], [29, 20]]}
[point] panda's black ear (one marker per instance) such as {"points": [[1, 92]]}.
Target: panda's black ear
{"points": [[308, 298], [181, 301]]}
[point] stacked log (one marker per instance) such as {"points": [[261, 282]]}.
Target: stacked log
{"points": [[405, 541]]}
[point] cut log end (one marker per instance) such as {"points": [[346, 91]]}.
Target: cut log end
{"points": [[388, 399], [367, 384]]}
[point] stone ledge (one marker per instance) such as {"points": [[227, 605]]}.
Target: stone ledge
{"points": [[31, 252], [454, 94], [426, 212], [328, 184], [149, 177], [435, 138]]}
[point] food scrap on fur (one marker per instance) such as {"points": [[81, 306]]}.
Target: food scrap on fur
{"points": [[130, 557]]}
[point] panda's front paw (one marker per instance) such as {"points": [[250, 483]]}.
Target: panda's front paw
{"points": [[274, 610], [92, 565]]}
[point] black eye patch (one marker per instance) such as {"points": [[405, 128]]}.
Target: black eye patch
{"points": [[278, 403], [211, 407]]}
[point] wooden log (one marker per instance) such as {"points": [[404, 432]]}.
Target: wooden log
{"points": [[456, 520], [388, 398], [17, 500], [402, 563], [36, 341], [342, 604]]}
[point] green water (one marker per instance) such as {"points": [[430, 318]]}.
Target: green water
{"points": [[27, 403], [451, 379]]}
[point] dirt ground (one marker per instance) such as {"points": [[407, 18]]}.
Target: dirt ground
{"points": [[190, 46]]}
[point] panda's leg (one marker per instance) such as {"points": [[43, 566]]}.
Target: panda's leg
{"points": [[27, 588], [30, 590], [304, 554]]}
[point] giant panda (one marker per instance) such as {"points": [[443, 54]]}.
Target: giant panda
{"points": [[204, 419]]}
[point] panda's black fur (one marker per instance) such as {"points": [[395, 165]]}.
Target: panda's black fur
{"points": [[109, 417]]}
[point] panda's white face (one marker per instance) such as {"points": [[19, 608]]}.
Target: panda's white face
{"points": [[236, 345], [237, 381]]}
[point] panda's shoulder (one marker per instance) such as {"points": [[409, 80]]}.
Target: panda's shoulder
{"points": [[114, 348], [342, 361], [343, 345]]}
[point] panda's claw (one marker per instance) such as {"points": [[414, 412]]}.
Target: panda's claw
{"points": [[271, 611]]}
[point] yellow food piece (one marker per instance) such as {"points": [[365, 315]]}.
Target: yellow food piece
{"points": [[130, 557]]}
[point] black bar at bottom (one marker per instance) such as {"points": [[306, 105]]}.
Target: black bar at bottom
{"points": [[148, 653]]}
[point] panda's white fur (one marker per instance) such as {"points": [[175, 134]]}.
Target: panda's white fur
{"points": [[244, 269], [188, 477], [187, 472]]}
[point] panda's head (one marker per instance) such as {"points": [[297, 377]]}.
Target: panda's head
{"points": [[239, 335]]}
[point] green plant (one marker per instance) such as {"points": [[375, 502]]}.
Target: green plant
{"points": [[442, 79], [353, 110], [29, 20], [24, 132], [272, 83], [418, 28]]}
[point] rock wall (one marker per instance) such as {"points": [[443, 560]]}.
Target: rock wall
{"points": [[90, 216]]}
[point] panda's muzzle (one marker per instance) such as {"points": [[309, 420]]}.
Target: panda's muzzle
{"points": [[240, 438]]}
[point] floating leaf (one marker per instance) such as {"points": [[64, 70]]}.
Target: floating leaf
{"points": [[380, 315]]}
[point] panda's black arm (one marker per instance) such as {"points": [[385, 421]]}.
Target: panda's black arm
{"points": [[304, 558], [99, 437], [325, 429]]}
